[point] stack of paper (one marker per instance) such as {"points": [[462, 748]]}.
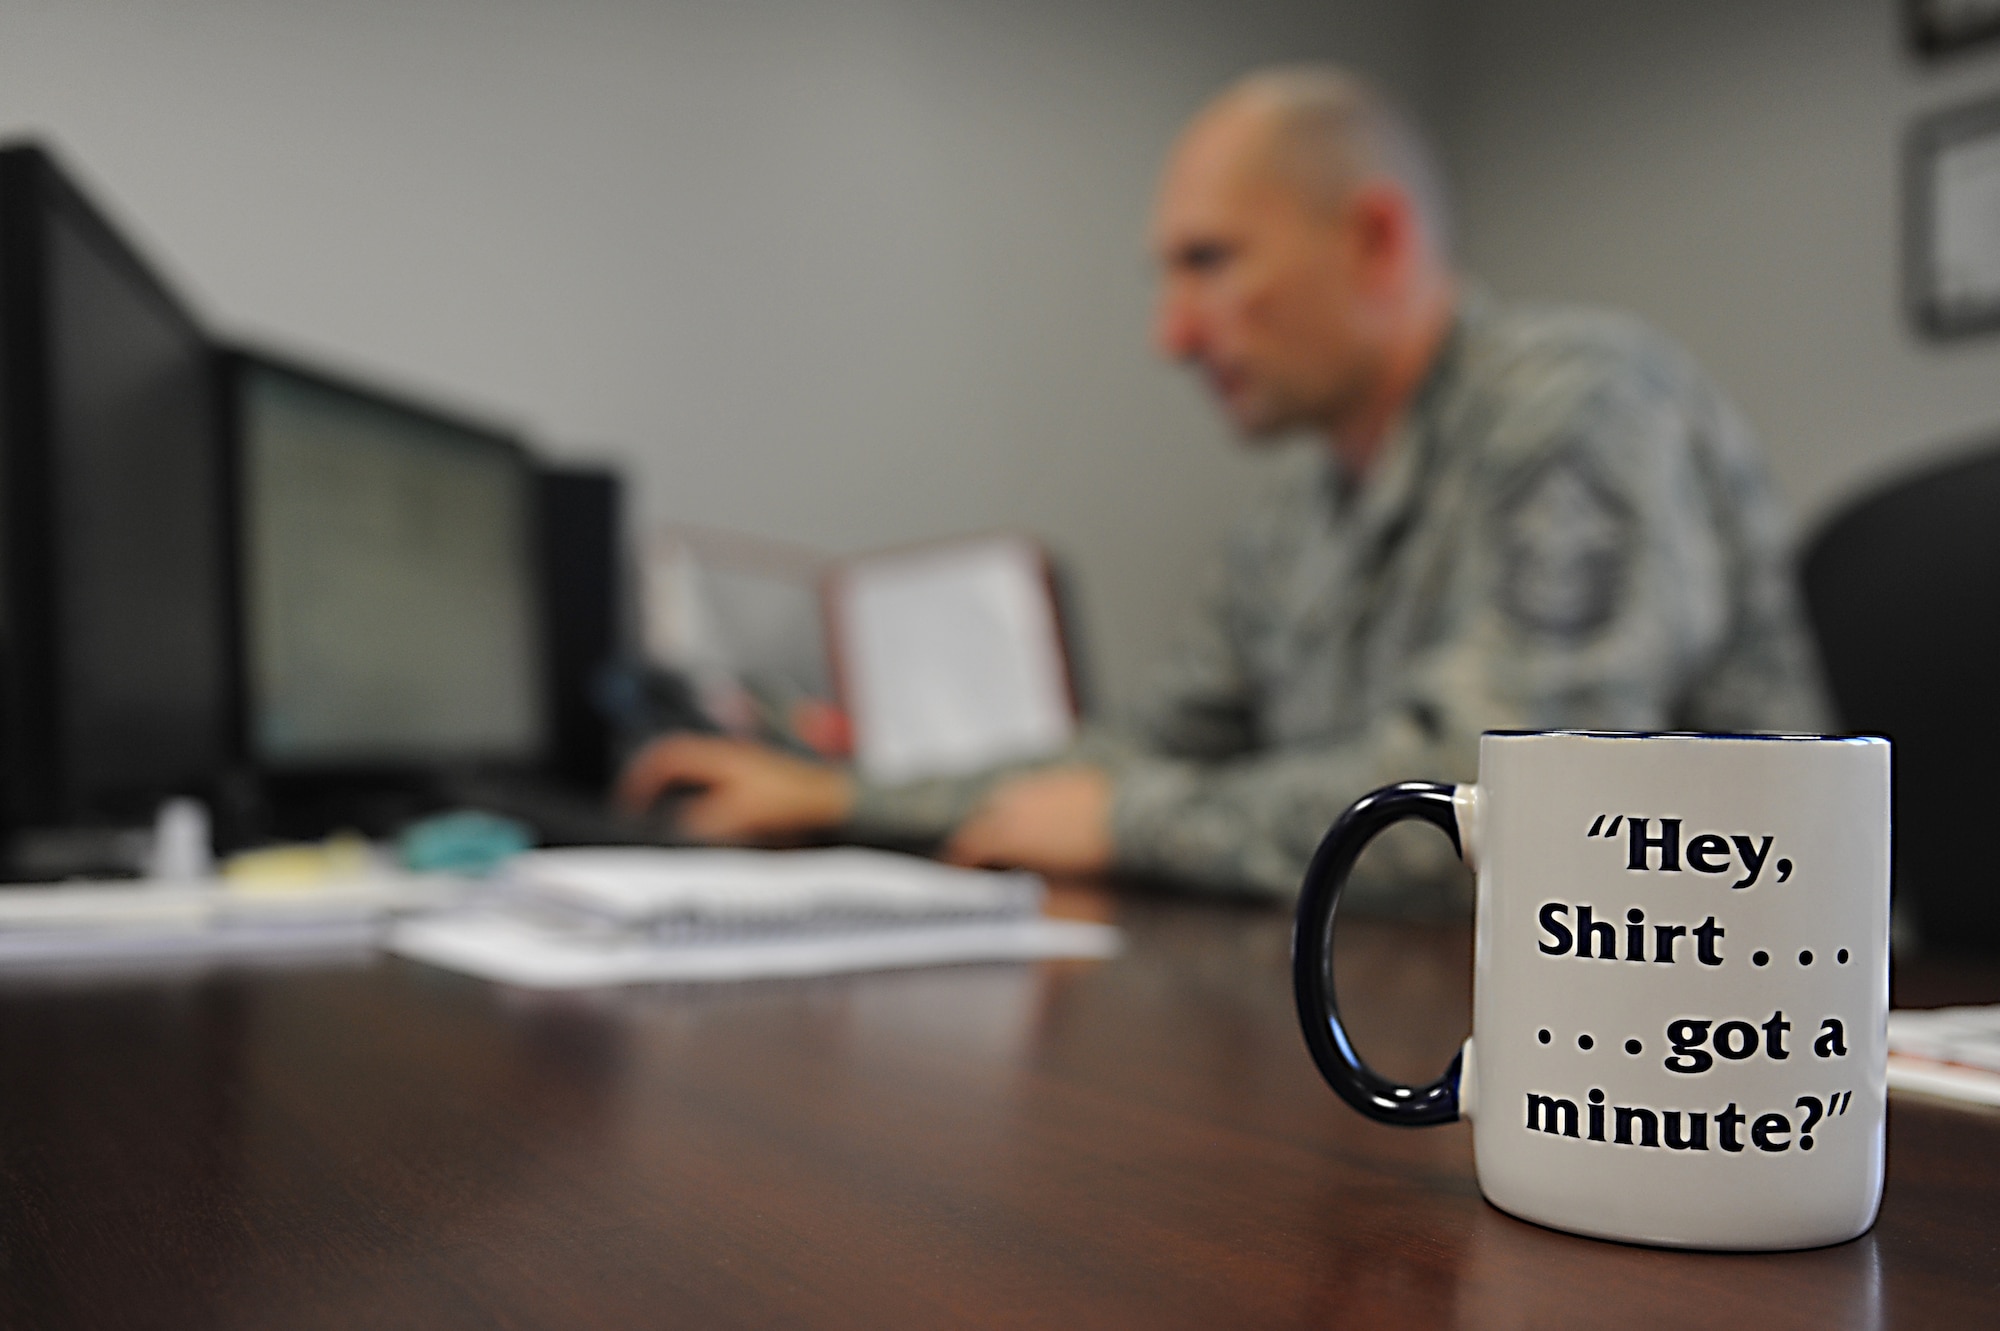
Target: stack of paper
{"points": [[1952, 1052], [733, 891], [572, 918], [127, 922]]}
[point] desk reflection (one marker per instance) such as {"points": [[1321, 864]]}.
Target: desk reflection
{"points": [[1142, 1141], [1512, 1274]]}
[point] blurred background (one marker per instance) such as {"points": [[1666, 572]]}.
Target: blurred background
{"points": [[858, 274]]}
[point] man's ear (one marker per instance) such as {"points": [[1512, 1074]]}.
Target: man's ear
{"points": [[1386, 232]]}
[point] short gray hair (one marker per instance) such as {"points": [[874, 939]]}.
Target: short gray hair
{"points": [[1332, 129]]}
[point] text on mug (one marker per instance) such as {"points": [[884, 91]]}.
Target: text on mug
{"points": [[1705, 852]]}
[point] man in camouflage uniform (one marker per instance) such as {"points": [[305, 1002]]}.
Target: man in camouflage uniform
{"points": [[1524, 518]]}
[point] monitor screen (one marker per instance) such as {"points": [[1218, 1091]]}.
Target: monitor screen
{"points": [[389, 581]]}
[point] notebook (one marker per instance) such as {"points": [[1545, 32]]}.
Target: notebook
{"points": [[624, 915]]}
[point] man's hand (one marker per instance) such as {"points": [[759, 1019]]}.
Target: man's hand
{"points": [[1055, 821], [742, 791]]}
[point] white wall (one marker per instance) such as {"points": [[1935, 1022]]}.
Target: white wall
{"points": [[866, 272], [1731, 171], [851, 273]]}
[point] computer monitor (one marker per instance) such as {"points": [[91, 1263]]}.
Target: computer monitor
{"points": [[115, 678], [388, 575], [583, 582]]}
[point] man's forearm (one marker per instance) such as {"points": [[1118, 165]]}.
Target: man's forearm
{"points": [[1249, 826]]}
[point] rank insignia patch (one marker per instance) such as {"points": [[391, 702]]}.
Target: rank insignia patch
{"points": [[1566, 542]]}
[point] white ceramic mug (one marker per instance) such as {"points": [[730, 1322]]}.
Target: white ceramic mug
{"points": [[1681, 982]]}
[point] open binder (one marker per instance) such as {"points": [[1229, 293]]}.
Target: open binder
{"points": [[944, 657]]}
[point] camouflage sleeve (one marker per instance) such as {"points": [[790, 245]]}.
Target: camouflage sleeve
{"points": [[1768, 675], [914, 813], [1198, 701], [1593, 582], [1248, 826]]}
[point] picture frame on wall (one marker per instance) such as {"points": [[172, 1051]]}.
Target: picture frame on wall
{"points": [[1942, 27], [1952, 221]]}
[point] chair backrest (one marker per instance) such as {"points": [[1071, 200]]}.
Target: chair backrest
{"points": [[1904, 591]]}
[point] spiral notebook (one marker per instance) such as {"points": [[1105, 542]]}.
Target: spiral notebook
{"points": [[590, 917]]}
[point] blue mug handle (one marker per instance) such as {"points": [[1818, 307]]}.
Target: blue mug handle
{"points": [[1312, 958]]}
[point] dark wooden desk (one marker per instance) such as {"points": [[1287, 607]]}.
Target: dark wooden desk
{"points": [[1137, 1143]]}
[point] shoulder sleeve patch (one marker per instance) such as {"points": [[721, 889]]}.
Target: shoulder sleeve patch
{"points": [[1566, 544]]}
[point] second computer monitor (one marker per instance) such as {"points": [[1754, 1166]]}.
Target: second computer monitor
{"points": [[389, 558]]}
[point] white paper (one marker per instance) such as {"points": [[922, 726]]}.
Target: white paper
{"points": [[1968, 1035], [1952, 1052], [765, 887], [118, 922], [952, 658], [513, 949], [1945, 1080]]}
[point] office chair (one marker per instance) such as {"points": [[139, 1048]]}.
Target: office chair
{"points": [[1903, 587]]}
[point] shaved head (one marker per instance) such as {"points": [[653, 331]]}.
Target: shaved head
{"points": [[1301, 236], [1326, 131]]}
